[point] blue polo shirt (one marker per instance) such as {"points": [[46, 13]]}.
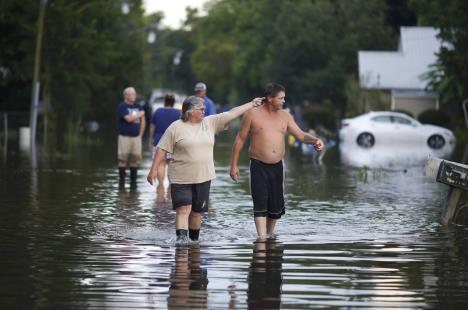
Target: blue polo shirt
{"points": [[130, 129], [210, 106], [161, 119]]}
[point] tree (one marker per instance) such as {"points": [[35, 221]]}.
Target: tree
{"points": [[309, 46], [91, 52], [17, 22]]}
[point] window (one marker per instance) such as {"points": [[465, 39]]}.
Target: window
{"points": [[382, 119], [401, 120]]}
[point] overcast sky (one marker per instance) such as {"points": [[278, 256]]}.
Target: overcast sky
{"points": [[174, 10]]}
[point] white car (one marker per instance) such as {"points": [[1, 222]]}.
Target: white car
{"points": [[396, 135], [156, 99]]}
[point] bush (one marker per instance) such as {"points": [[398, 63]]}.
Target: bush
{"points": [[316, 116], [435, 117]]}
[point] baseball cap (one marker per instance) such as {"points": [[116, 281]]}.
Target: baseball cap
{"points": [[200, 86]]}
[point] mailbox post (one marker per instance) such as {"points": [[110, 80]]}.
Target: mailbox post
{"points": [[455, 175]]}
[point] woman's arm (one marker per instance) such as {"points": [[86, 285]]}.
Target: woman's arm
{"points": [[238, 111]]}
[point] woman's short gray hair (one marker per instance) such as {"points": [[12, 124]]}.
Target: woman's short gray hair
{"points": [[189, 105]]}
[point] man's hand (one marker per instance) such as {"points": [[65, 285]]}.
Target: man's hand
{"points": [[318, 145], [234, 173]]}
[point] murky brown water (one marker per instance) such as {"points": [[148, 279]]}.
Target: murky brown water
{"points": [[351, 238]]}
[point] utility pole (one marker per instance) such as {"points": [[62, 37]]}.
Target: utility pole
{"points": [[36, 83]]}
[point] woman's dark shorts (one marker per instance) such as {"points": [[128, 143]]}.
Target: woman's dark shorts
{"points": [[266, 187], [191, 194]]}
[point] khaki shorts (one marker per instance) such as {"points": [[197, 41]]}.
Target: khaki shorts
{"points": [[129, 146]]}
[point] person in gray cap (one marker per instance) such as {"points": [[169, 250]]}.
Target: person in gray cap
{"points": [[200, 91]]}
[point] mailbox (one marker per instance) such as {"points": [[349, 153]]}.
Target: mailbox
{"points": [[455, 175]]}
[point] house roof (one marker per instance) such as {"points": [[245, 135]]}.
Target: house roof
{"points": [[402, 69]]}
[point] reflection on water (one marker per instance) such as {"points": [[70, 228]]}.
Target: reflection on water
{"points": [[188, 280], [265, 276], [385, 156], [350, 238], [163, 197]]}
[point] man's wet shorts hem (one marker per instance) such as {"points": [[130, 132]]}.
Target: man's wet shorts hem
{"points": [[196, 195], [274, 216]]}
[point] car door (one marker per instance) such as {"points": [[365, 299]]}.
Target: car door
{"points": [[406, 131], [382, 129]]}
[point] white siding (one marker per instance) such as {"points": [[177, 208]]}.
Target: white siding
{"points": [[404, 68]]}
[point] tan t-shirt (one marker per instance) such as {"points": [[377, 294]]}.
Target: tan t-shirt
{"points": [[192, 148]]}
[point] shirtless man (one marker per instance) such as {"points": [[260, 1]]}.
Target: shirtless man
{"points": [[267, 127]]}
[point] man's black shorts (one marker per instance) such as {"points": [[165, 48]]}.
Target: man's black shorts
{"points": [[191, 194], [266, 187]]}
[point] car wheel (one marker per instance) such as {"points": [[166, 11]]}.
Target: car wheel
{"points": [[365, 140], [436, 142]]}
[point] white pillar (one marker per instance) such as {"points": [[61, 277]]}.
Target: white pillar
{"points": [[24, 138]]}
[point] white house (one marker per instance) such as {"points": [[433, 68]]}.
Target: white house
{"points": [[402, 71]]}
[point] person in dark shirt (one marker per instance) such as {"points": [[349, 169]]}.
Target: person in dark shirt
{"points": [[131, 129], [160, 120]]}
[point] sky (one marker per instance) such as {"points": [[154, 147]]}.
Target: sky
{"points": [[174, 10]]}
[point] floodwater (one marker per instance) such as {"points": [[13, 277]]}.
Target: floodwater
{"points": [[351, 238]]}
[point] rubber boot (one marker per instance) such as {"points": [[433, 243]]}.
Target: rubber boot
{"points": [[194, 234], [121, 176], [181, 235], [133, 177]]}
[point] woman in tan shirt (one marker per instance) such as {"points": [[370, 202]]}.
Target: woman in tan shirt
{"points": [[191, 140]]}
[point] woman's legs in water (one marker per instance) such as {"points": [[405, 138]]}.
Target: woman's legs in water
{"points": [[187, 219]]}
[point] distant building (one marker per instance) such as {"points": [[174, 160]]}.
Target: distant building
{"points": [[402, 72]]}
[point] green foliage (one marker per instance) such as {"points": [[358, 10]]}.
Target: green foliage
{"points": [[308, 46], [161, 70], [17, 41], [90, 52], [88, 58], [435, 117]]}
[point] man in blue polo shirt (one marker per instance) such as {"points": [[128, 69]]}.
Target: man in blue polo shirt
{"points": [[200, 91], [131, 129]]}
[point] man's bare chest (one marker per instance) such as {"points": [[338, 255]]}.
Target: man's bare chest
{"points": [[269, 126]]}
